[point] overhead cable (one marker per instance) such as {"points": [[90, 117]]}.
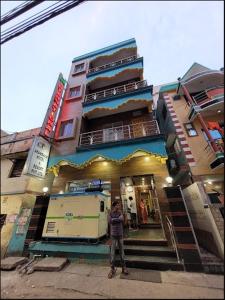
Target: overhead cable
{"points": [[17, 12], [40, 20], [17, 27]]}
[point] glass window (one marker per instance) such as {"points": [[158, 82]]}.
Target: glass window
{"points": [[79, 68], [74, 92], [177, 147], [66, 128], [190, 129]]}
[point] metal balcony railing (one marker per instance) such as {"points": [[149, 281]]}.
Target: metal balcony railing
{"points": [[119, 133], [113, 64], [116, 91], [208, 94]]}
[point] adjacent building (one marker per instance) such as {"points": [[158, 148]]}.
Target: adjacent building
{"points": [[190, 112], [18, 191]]}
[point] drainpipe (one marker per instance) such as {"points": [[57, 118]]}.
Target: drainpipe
{"points": [[199, 116]]}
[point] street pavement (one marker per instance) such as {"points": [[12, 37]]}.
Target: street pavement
{"points": [[88, 281]]}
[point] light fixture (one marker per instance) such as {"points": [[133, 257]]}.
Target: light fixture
{"points": [[219, 111], [127, 184], [147, 158], [105, 163], [209, 182], [169, 179], [99, 157], [204, 184], [45, 189], [61, 192]]}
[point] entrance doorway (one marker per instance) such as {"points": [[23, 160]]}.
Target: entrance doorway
{"points": [[138, 194]]}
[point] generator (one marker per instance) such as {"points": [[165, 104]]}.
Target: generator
{"points": [[77, 215]]}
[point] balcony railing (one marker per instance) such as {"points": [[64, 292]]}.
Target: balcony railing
{"points": [[208, 95], [119, 133], [113, 64], [116, 91]]}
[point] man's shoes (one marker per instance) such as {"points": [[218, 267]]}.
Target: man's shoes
{"points": [[112, 273], [125, 271]]}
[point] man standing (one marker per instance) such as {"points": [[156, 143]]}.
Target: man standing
{"points": [[116, 220], [133, 213]]}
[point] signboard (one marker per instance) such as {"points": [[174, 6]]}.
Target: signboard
{"points": [[37, 160], [48, 126]]}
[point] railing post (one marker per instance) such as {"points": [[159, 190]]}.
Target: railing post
{"points": [[129, 131], [157, 126]]}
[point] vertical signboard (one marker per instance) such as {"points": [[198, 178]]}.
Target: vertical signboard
{"points": [[37, 159], [48, 126]]}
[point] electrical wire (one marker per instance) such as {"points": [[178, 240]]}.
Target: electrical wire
{"points": [[41, 19], [15, 8], [22, 10], [8, 30]]}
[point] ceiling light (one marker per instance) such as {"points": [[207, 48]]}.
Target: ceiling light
{"points": [[45, 189], [209, 182], [127, 184], [99, 157], [105, 163], [147, 158], [219, 111], [169, 179]]}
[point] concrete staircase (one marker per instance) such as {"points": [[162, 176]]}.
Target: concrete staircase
{"points": [[149, 254]]}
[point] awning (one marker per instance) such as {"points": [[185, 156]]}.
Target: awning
{"points": [[116, 153], [113, 104], [107, 73]]}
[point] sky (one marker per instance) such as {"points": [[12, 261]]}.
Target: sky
{"points": [[170, 35]]}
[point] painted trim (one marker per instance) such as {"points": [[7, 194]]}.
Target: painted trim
{"points": [[102, 50], [95, 74], [179, 132]]}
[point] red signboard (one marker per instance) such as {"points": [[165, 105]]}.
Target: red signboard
{"points": [[47, 129]]}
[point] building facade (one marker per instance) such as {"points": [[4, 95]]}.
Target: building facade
{"points": [[18, 191], [191, 114]]}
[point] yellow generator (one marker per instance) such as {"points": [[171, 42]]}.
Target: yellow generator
{"points": [[74, 215]]}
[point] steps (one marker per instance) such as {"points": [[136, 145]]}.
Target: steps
{"points": [[150, 226], [149, 254]]}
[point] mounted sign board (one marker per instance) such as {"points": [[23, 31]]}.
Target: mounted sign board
{"points": [[48, 126], [37, 159]]}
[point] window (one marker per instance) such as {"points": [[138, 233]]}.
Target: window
{"points": [[190, 129], [176, 97], [177, 147], [164, 112], [102, 206], [75, 92], [17, 168], [79, 68], [66, 128]]}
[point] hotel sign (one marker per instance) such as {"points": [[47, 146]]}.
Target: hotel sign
{"points": [[37, 159], [48, 127]]}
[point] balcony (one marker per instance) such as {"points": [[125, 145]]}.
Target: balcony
{"points": [[125, 132], [119, 90], [208, 102], [113, 64]]}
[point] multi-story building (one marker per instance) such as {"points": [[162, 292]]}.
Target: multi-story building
{"points": [[18, 191], [107, 139], [191, 114]]}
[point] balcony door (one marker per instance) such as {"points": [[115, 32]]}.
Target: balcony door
{"points": [[113, 132], [138, 127]]}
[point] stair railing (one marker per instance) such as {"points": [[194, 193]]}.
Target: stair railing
{"points": [[173, 239]]}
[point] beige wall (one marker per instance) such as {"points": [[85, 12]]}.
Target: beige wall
{"points": [[11, 205], [14, 184]]}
